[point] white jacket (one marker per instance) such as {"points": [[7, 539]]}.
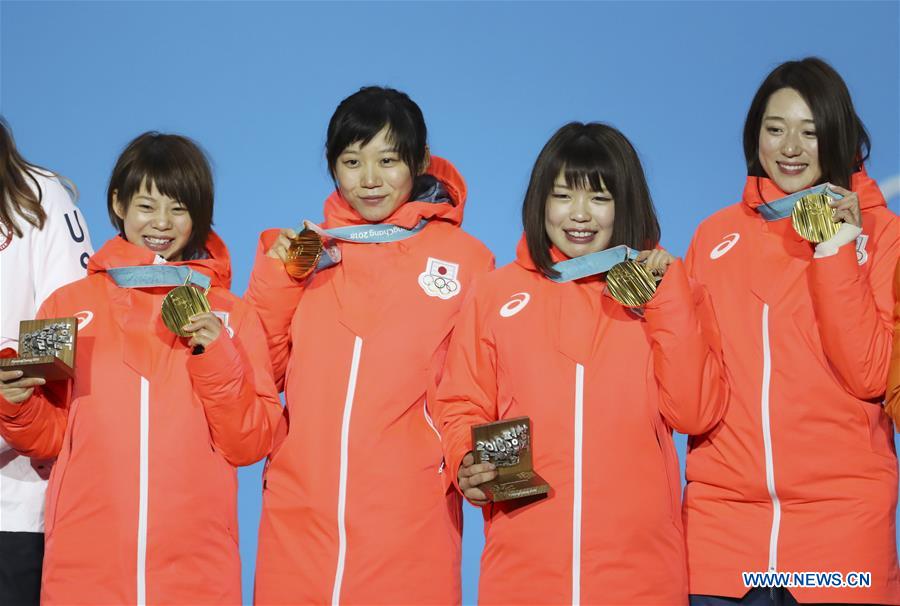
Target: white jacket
{"points": [[32, 267]]}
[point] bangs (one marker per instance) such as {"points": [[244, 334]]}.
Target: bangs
{"points": [[586, 165], [363, 128], [166, 170], [361, 116]]}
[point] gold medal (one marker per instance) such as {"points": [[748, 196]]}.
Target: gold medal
{"points": [[180, 305], [812, 218], [304, 254], [631, 283]]}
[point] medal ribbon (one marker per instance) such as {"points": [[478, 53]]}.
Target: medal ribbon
{"points": [[429, 190], [592, 264], [783, 207], [363, 234], [148, 276]]}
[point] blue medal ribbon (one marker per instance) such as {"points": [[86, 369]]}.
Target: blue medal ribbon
{"points": [[783, 207], [428, 188], [149, 276], [591, 264], [362, 234], [378, 232]]}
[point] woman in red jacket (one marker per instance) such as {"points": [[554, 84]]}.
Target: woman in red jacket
{"points": [[604, 385], [892, 397], [141, 506], [801, 475], [354, 510]]}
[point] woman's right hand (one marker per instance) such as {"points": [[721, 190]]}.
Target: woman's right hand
{"points": [[15, 388], [280, 248], [470, 476]]}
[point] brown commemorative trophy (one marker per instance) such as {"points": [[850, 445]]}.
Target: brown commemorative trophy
{"points": [[507, 445], [46, 349]]}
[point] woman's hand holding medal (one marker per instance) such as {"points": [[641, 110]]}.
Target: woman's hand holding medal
{"points": [[846, 210], [470, 476], [279, 250], [656, 260], [633, 283], [204, 329]]}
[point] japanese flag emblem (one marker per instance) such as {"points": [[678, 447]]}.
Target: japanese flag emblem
{"points": [[440, 279]]}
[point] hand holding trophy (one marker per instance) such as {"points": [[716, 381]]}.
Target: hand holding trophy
{"points": [[46, 353], [499, 467], [471, 475]]}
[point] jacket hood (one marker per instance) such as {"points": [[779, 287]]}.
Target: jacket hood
{"points": [[119, 252], [762, 190], [338, 211]]}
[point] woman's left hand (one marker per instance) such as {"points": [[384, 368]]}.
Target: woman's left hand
{"points": [[204, 328], [847, 208], [656, 260]]}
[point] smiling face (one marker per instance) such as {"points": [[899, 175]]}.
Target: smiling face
{"points": [[155, 221], [372, 178], [579, 221], [788, 147]]}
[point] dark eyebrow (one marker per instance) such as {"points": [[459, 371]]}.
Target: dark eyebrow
{"points": [[783, 120]]}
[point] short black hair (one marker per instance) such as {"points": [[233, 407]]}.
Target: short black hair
{"points": [[591, 155], [180, 170], [365, 113], [844, 144]]}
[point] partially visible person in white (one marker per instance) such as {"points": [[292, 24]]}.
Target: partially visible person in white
{"points": [[44, 244]]}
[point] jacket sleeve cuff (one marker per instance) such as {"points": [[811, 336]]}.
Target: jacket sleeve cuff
{"points": [[271, 273], [10, 411], [217, 360], [846, 234], [453, 457], [270, 270], [673, 292], [838, 268]]}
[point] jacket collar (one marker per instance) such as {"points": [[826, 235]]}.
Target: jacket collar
{"points": [[338, 211]]}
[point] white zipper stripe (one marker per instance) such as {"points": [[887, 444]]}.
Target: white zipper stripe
{"points": [[767, 441], [342, 487], [429, 420], [143, 475], [576, 496]]}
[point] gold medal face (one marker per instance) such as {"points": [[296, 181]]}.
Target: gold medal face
{"points": [[812, 218], [304, 254], [630, 283], [182, 303]]}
